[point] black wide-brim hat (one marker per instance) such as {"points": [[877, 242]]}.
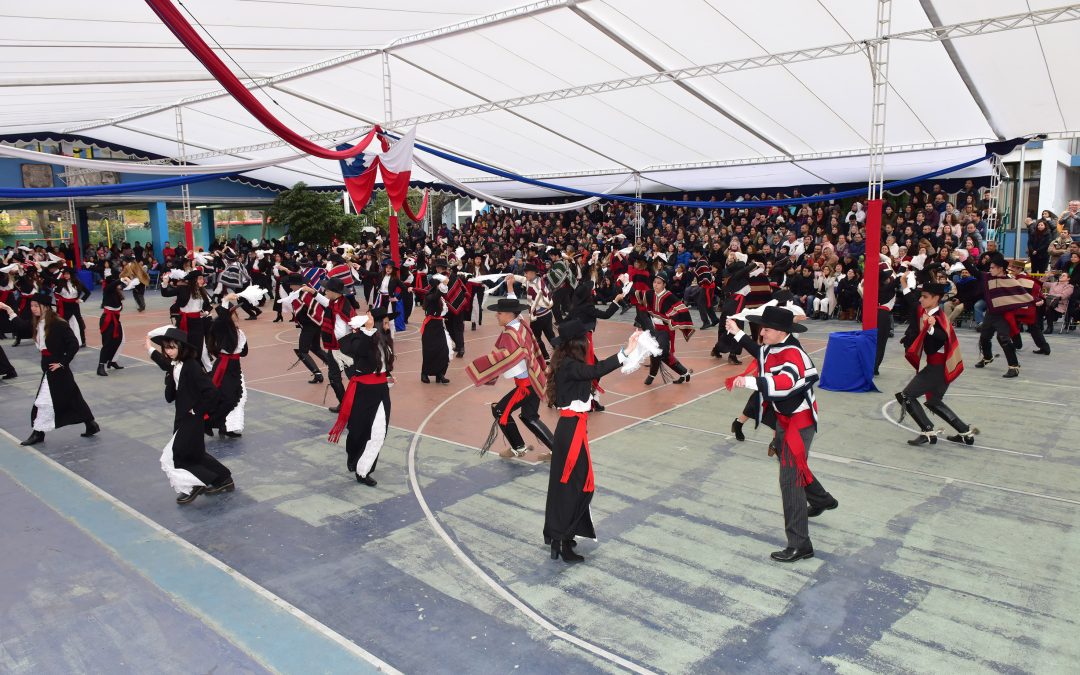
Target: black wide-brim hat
{"points": [[779, 319], [380, 313], [573, 329], [174, 334], [43, 299], [334, 285], [193, 275], [934, 289], [508, 305]]}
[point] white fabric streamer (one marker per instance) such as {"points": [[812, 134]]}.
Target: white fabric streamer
{"points": [[147, 169], [646, 346], [492, 199]]}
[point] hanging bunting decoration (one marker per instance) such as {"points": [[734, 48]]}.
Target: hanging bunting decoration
{"points": [[186, 34]]}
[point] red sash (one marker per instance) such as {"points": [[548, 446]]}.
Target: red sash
{"points": [[221, 366], [524, 386], [580, 440], [793, 441], [347, 402], [426, 319], [184, 316], [112, 318], [61, 302]]}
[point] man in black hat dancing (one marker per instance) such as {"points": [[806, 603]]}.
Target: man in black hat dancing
{"points": [[516, 357], [785, 382]]}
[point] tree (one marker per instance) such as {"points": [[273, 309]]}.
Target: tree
{"points": [[312, 217]]}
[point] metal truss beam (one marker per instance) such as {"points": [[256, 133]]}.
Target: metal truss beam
{"points": [[933, 34], [350, 57]]}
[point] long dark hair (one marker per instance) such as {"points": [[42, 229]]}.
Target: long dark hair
{"points": [[570, 349], [51, 319], [383, 344], [184, 351]]}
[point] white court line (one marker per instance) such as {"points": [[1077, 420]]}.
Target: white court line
{"points": [[495, 586], [887, 416], [839, 459], [278, 601]]}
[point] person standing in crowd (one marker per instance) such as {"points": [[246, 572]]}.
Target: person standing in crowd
{"points": [[663, 313], [190, 469], [1034, 314], [932, 334], [58, 402], [70, 294], [436, 345], [785, 382], [233, 279], [477, 268], [389, 292], [1003, 296], [227, 344], [112, 332], [516, 357], [570, 382], [539, 298], [365, 410], [193, 306], [135, 271], [332, 313], [302, 304], [888, 289]]}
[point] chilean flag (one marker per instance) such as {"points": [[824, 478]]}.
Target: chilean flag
{"points": [[395, 165]]}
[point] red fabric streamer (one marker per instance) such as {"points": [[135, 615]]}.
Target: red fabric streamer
{"points": [[347, 402], [221, 366], [796, 455], [579, 442], [524, 385], [175, 22], [419, 215], [112, 318]]}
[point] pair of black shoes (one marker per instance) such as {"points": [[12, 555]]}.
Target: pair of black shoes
{"points": [[366, 480], [565, 550], [35, 437]]}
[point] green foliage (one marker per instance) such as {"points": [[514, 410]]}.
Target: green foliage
{"points": [[312, 217]]}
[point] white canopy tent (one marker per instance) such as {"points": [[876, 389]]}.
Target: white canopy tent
{"points": [[581, 92]]}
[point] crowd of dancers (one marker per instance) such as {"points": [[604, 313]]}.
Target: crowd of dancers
{"points": [[348, 301]]}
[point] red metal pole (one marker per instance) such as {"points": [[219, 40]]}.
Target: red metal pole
{"points": [[189, 237], [871, 266], [395, 251], [75, 247]]}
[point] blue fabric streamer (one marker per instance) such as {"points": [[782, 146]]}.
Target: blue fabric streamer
{"points": [[119, 188], [690, 204]]}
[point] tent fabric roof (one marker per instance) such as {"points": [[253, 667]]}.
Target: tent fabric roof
{"points": [[111, 71]]}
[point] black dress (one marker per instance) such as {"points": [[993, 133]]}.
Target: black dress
{"points": [[570, 489], [434, 340], [369, 412], [112, 332], [184, 459], [58, 402], [230, 345]]}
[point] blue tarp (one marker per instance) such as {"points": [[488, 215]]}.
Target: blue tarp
{"points": [[849, 361]]}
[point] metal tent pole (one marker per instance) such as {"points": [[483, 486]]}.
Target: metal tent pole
{"points": [[185, 193]]}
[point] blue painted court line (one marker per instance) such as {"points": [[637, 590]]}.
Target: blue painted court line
{"points": [[276, 634]]}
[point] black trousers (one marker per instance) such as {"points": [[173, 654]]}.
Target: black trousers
{"points": [[542, 327], [5, 366], [884, 327], [795, 498], [529, 409], [455, 326], [139, 293], [996, 324]]}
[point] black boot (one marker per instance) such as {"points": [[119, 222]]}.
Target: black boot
{"points": [[566, 550], [115, 366], [34, 438], [316, 374], [913, 408], [736, 428], [101, 370], [734, 360], [966, 433], [684, 374], [339, 392], [92, 428], [540, 430], [278, 318]]}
